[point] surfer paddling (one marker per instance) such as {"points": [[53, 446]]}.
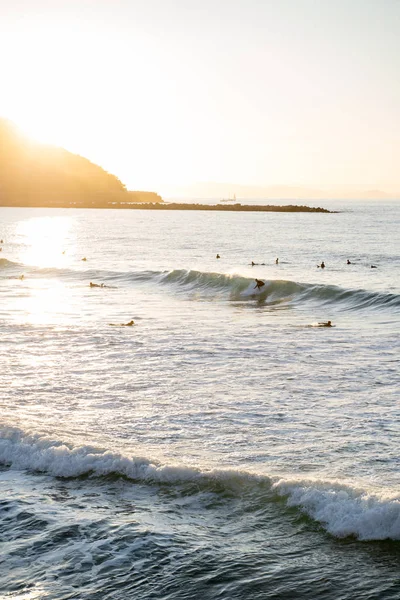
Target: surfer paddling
{"points": [[122, 324], [325, 324]]}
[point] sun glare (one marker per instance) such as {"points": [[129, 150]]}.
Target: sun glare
{"points": [[44, 240], [39, 129], [48, 302]]}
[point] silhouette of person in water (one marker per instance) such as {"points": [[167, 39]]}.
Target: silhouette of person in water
{"points": [[218, 256], [259, 284], [348, 262], [325, 324], [373, 267], [84, 258], [100, 285], [322, 265], [122, 324], [253, 263], [277, 261]]}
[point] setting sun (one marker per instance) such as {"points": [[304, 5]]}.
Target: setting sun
{"points": [[175, 96]]}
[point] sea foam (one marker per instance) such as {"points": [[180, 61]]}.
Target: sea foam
{"points": [[343, 510]]}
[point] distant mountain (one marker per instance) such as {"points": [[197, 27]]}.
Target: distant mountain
{"points": [[33, 174]]}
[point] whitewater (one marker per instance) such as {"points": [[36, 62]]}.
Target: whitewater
{"points": [[225, 445]]}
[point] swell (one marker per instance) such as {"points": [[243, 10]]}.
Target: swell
{"points": [[343, 510], [238, 288], [5, 263], [230, 287]]}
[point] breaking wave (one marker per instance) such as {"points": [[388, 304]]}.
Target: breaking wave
{"points": [[239, 288], [230, 287], [341, 509]]}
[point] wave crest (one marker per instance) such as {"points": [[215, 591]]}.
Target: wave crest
{"points": [[239, 288], [235, 287], [341, 509], [5, 263]]}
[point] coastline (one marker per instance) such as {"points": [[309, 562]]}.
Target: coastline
{"points": [[170, 206]]}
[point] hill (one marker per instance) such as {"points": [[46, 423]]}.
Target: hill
{"points": [[39, 175], [33, 174]]}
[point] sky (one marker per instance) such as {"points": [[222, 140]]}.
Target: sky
{"points": [[166, 93]]}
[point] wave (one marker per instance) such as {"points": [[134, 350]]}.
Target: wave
{"points": [[343, 510], [239, 288], [5, 263], [232, 287]]}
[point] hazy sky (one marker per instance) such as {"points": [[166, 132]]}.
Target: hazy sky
{"points": [[180, 91]]}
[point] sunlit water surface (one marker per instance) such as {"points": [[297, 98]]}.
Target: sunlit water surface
{"points": [[224, 446]]}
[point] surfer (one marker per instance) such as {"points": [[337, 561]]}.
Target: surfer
{"points": [[100, 285], [322, 265], [122, 324], [253, 264], [373, 267], [325, 324], [218, 256], [277, 261], [84, 258], [259, 284], [348, 262]]}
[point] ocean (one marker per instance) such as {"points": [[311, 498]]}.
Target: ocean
{"points": [[225, 446]]}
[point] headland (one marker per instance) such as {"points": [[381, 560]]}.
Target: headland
{"points": [[38, 175]]}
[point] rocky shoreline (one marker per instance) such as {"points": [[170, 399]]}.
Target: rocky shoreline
{"points": [[165, 206]]}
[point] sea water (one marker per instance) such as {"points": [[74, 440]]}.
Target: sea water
{"points": [[225, 445]]}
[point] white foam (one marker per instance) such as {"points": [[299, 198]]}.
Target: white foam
{"points": [[40, 453], [252, 290], [345, 511]]}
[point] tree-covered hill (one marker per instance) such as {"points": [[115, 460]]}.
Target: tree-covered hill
{"points": [[33, 174]]}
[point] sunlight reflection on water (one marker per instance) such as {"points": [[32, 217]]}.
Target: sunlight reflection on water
{"points": [[44, 240]]}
